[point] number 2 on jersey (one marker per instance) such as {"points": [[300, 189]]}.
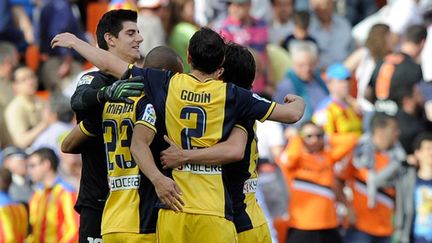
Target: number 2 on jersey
{"points": [[198, 131], [118, 149]]}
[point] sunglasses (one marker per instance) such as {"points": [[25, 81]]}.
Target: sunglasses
{"points": [[309, 136]]}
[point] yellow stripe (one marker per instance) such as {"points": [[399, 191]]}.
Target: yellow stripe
{"points": [[85, 131], [69, 224], [242, 128], [273, 105], [6, 219], [147, 125]]}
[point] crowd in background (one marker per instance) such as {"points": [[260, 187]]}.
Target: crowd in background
{"points": [[361, 154]]}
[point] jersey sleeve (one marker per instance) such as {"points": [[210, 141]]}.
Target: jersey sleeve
{"points": [[84, 98], [146, 114], [155, 80], [91, 127], [252, 106]]}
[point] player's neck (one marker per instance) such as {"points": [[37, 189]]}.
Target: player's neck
{"points": [[202, 77]]}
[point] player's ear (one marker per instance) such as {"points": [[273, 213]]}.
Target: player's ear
{"points": [[219, 72], [109, 39], [189, 58]]}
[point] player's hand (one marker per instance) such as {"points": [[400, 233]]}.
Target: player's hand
{"points": [[120, 90], [169, 193], [63, 40], [289, 98], [171, 157]]}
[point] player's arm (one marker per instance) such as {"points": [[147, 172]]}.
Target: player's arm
{"points": [[231, 150], [289, 112], [85, 130], [102, 59], [166, 189]]}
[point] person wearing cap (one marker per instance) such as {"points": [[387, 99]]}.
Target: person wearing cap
{"points": [[338, 113], [13, 216], [15, 160]]}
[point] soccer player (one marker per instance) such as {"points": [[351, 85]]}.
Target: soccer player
{"points": [[52, 217], [137, 222], [241, 180], [198, 111], [13, 216], [117, 33]]}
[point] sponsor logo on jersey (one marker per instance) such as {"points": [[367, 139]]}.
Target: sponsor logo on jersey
{"points": [[124, 182], [86, 79], [201, 169], [149, 115], [250, 185], [260, 98]]}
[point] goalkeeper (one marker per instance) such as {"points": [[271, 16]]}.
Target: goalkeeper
{"points": [[117, 33]]}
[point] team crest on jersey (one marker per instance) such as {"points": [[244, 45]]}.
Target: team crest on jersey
{"points": [[149, 115], [86, 79], [260, 98]]}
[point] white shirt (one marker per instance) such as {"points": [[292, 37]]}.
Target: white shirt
{"points": [[270, 134], [426, 60]]}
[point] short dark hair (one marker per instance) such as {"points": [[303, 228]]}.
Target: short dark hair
{"points": [[47, 154], [380, 120], [165, 58], [5, 179], [207, 50], [239, 66], [112, 22], [301, 19], [424, 136], [416, 34]]}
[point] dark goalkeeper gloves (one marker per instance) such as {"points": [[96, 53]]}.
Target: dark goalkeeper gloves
{"points": [[120, 90]]}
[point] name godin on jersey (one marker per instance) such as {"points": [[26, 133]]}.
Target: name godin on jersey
{"points": [[201, 169], [195, 97], [124, 182]]}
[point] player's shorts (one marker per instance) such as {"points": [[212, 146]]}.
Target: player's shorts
{"points": [[258, 234], [90, 225], [190, 228], [129, 238]]}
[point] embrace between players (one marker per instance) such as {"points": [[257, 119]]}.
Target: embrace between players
{"points": [[181, 155]]}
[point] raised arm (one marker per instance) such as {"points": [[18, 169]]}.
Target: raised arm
{"points": [[229, 151], [102, 59]]}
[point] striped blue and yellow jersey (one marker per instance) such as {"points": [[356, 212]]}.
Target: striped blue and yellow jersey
{"points": [[130, 206], [242, 181], [198, 114], [13, 220]]}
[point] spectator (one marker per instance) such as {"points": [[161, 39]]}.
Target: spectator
{"points": [[15, 25], [300, 32], [15, 160], [24, 115], [401, 15], [52, 197], [13, 216], [61, 64], [123, 4], [362, 62], [303, 79], [282, 24], [357, 10], [60, 116], [415, 216], [308, 162], [378, 157], [183, 27], [241, 28], [339, 112], [8, 61], [332, 32], [150, 25], [398, 70], [426, 62]]}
